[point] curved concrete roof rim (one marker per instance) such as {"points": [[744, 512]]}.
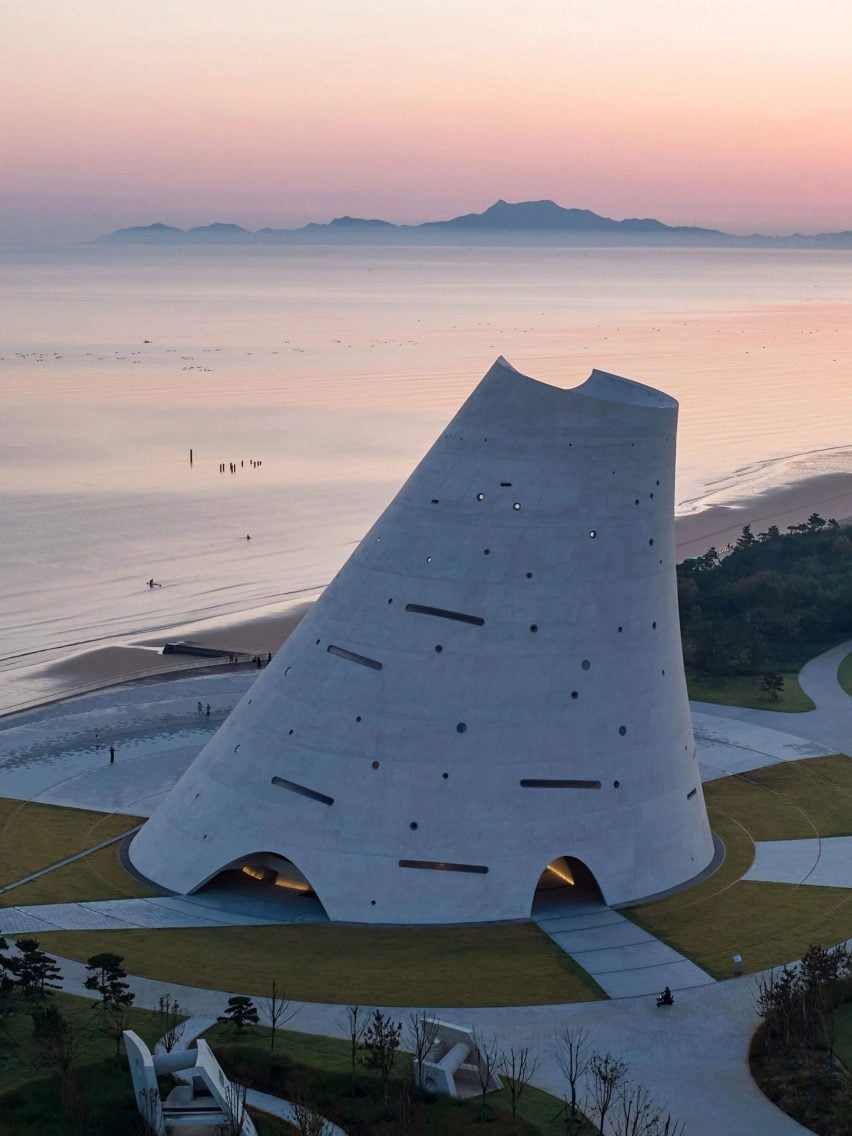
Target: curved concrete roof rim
{"points": [[598, 385]]}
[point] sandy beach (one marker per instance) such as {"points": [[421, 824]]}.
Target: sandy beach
{"points": [[719, 525]]}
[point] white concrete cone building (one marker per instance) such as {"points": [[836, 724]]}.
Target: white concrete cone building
{"points": [[492, 684]]}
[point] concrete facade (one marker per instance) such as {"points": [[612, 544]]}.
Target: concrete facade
{"points": [[492, 682]]}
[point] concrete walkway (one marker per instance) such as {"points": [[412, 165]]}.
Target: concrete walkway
{"points": [[624, 960], [820, 861], [829, 725]]}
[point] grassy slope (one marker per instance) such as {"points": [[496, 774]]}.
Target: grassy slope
{"points": [[99, 875], [844, 674], [744, 690], [324, 1064], [497, 965], [766, 923], [34, 836]]}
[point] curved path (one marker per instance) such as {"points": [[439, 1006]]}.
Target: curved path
{"points": [[693, 1056]]}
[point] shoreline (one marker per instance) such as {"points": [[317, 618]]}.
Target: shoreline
{"points": [[139, 660]]}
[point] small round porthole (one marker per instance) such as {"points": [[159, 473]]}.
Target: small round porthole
{"points": [[461, 727], [622, 730], [593, 534], [516, 506], [375, 765], [480, 496], [585, 664]]}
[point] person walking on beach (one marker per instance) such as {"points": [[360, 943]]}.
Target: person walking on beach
{"points": [[208, 709], [112, 755], [200, 708]]}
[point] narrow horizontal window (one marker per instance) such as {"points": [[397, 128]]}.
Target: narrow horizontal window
{"points": [[440, 866], [362, 660], [442, 613], [302, 791], [542, 783], [691, 794]]}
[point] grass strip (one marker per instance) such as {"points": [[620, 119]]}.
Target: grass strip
{"points": [[501, 964], [744, 690], [100, 875], [34, 836]]}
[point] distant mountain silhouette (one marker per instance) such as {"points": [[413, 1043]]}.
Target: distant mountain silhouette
{"points": [[539, 222]]}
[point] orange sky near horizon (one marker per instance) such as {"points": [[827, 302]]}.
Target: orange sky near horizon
{"points": [[277, 113]]}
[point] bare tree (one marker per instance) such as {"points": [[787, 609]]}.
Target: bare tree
{"points": [[145, 1120], [234, 1101], [607, 1075], [668, 1126], [420, 1036], [518, 1067], [572, 1055], [635, 1113], [487, 1058], [279, 1010], [169, 1018], [356, 1023], [308, 1122]]}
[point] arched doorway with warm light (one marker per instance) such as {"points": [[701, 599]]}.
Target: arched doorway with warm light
{"points": [[566, 881], [272, 879]]}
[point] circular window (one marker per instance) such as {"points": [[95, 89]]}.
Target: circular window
{"points": [[585, 664], [533, 627], [516, 506], [575, 694], [461, 727], [438, 648], [593, 533], [480, 496], [622, 730], [375, 765]]}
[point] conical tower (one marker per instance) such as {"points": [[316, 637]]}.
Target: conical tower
{"points": [[492, 684]]}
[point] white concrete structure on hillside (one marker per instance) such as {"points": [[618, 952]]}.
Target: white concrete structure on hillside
{"points": [[492, 684]]}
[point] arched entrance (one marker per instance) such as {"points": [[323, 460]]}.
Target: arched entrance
{"points": [[265, 875], [566, 880]]}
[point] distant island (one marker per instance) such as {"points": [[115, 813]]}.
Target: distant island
{"points": [[526, 222]]}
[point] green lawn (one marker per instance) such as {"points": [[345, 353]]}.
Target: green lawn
{"points": [[319, 1069], [844, 674], [34, 836], [507, 964], [100, 875], [744, 690], [768, 924]]}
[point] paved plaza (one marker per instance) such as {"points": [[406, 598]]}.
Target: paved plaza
{"points": [[692, 1055]]}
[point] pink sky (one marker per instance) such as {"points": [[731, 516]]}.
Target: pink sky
{"points": [[270, 112]]}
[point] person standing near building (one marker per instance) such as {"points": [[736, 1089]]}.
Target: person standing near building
{"points": [[112, 755]]}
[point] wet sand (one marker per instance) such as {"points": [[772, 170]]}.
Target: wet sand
{"points": [[719, 525]]}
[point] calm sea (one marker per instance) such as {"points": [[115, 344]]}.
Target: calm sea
{"points": [[335, 368]]}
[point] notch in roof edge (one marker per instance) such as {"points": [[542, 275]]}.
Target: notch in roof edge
{"points": [[600, 385]]}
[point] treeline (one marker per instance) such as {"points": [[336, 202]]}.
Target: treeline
{"points": [[771, 602]]}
